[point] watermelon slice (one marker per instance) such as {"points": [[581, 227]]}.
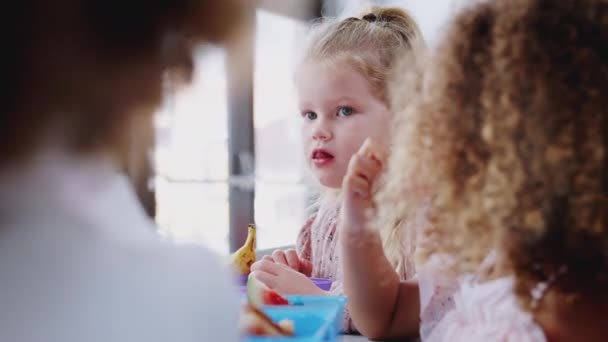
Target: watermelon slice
{"points": [[259, 294]]}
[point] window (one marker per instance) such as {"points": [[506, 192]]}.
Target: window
{"points": [[191, 154], [281, 195], [191, 158]]}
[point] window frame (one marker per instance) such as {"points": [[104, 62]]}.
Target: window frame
{"points": [[241, 134], [240, 116]]}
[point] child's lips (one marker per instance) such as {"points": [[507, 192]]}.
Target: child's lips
{"points": [[321, 157]]}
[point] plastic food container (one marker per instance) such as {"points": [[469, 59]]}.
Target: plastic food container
{"points": [[315, 318], [323, 284]]}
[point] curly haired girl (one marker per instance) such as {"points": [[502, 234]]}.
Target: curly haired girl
{"points": [[509, 133]]}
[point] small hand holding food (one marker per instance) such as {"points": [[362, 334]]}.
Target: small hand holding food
{"points": [[291, 259], [284, 279], [363, 172]]}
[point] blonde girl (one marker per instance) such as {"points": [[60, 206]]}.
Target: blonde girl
{"points": [[342, 89]]}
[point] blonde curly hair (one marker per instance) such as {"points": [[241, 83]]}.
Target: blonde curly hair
{"points": [[508, 138]]}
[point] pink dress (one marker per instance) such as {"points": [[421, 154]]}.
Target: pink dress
{"points": [[469, 310], [318, 243]]}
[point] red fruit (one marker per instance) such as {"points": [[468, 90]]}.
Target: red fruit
{"points": [[272, 297], [260, 294]]}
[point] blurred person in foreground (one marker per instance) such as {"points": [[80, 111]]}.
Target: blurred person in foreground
{"points": [[79, 259]]}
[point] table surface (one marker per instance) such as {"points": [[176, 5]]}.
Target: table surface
{"points": [[354, 338]]}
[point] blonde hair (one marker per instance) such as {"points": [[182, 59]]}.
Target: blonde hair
{"points": [[375, 43], [371, 43], [403, 202]]}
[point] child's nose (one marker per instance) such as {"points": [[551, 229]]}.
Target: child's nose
{"points": [[322, 132]]}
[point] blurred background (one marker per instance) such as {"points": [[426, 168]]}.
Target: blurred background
{"points": [[225, 152]]}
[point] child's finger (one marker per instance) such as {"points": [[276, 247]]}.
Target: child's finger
{"points": [[355, 167], [267, 279], [359, 163], [305, 267], [293, 260], [361, 187], [257, 262], [279, 256], [357, 185], [268, 257], [367, 167], [373, 151], [267, 267]]}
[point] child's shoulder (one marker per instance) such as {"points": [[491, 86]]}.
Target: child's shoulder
{"points": [[487, 311]]}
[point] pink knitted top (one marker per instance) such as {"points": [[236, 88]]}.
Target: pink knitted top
{"points": [[465, 309], [318, 243]]}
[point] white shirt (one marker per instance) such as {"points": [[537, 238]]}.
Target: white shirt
{"points": [[79, 261]]}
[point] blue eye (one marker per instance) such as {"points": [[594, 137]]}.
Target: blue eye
{"points": [[345, 111], [310, 116]]}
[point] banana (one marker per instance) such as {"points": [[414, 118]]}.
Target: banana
{"points": [[244, 257]]}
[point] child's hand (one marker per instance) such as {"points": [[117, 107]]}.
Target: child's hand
{"points": [[284, 279], [363, 170], [290, 258]]}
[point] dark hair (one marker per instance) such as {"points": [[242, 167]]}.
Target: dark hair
{"points": [[86, 67]]}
